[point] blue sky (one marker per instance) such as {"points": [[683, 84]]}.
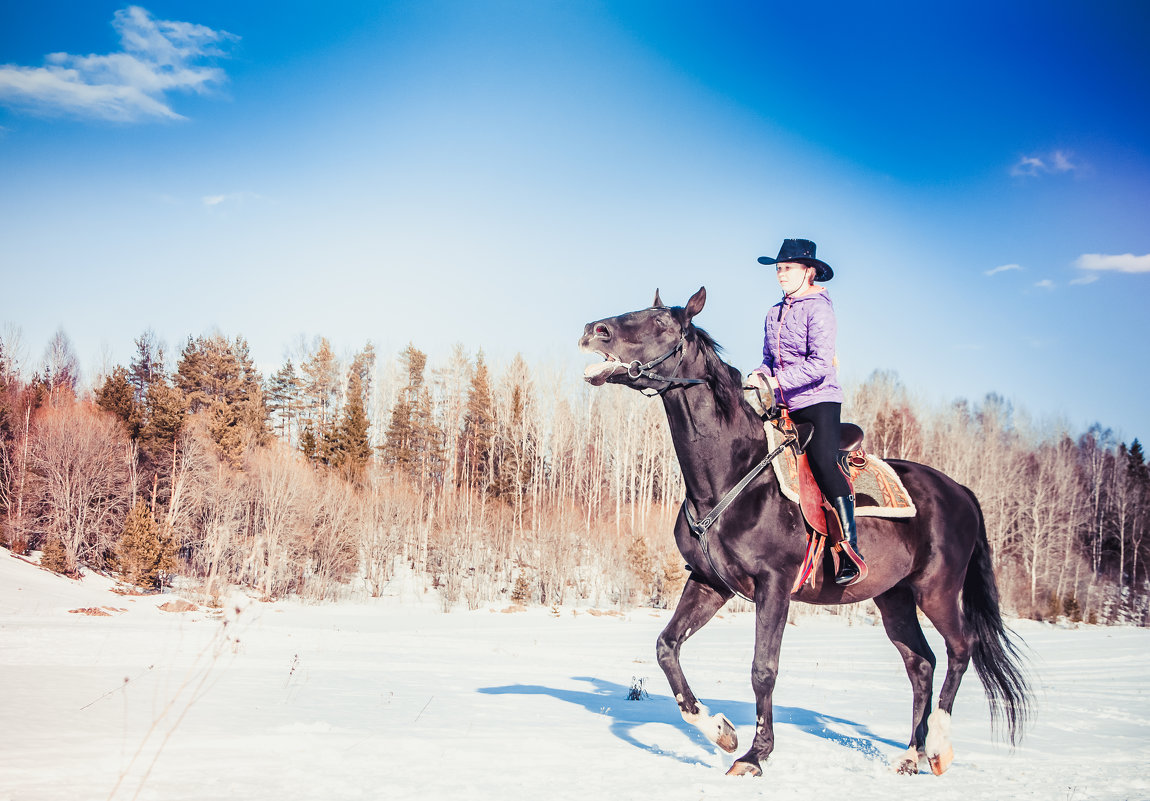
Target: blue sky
{"points": [[499, 173]]}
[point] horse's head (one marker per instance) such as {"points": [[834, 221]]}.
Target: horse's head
{"points": [[637, 344]]}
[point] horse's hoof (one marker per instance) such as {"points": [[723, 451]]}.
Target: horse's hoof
{"points": [[727, 738], [908, 765], [940, 762], [939, 750], [715, 727], [745, 769]]}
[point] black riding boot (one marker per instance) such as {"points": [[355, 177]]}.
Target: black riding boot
{"points": [[851, 565]]}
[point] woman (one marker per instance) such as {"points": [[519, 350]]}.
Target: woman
{"points": [[799, 367]]}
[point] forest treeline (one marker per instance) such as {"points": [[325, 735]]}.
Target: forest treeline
{"points": [[519, 484]]}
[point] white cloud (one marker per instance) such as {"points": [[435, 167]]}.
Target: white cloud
{"points": [[1124, 263], [157, 57], [1085, 279], [230, 198], [1061, 162], [1058, 161], [1004, 268], [1028, 165], [1045, 283]]}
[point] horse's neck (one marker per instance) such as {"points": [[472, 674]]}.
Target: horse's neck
{"points": [[714, 454]]}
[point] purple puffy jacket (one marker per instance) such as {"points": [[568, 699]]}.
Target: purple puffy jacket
{"points": [[799, 350]]}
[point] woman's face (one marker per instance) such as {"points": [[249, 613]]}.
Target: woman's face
{"points": [[793, 276]]}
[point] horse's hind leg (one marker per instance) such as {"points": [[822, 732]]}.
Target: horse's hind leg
{"points": [[698, 604], [944, 612], [900, 619]]}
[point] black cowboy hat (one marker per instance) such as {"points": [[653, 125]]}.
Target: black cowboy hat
{"points": [[802, 251]]}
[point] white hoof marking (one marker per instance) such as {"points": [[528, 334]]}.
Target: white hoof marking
{"points": [[712, 726], [907, 764], [939, 749]]}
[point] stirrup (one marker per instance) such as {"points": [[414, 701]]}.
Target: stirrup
{"points": [[847, 552]]}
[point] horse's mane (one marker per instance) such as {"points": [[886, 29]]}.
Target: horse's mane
{"points": [[725, 380]]}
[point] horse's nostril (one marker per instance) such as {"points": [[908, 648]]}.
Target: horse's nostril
{"points": [[602, 331]]}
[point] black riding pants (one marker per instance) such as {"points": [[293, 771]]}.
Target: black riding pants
{"points": [[823, 450]]}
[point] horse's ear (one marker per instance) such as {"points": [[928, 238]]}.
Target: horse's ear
{"points": [[658, 302], [695, 304]]}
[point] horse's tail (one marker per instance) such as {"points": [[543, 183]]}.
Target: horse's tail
{"points": [[995, 654]]}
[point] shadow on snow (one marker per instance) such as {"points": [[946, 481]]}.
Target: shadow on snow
{"points": [[610, 700]]}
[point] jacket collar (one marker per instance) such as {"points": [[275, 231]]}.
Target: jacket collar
{"points": [[820, 292]]}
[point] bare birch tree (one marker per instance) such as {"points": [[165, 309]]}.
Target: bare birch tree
{"points": [[78, 465]]}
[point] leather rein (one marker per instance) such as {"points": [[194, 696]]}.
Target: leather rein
{"points": [[699, 527], [637, 369]]}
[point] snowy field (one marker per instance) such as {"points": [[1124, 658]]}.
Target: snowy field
{"points": [[393, 699]]}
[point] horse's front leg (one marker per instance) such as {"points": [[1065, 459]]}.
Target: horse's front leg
{"points": [[771, 604], [697, 605]]}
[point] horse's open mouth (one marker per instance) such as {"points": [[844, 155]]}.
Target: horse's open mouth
{"points": [[597, 374]]}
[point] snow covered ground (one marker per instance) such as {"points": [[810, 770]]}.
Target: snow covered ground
{"points": [[393, 699]]}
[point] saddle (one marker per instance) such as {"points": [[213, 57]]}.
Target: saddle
{"points": [[811, 500], [822, 528], [877, 488]]}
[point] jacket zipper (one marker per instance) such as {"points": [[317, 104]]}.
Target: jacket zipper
{"points": [[787, 303]]}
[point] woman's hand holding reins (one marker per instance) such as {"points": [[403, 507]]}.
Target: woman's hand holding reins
{"points": [[762, 381]]}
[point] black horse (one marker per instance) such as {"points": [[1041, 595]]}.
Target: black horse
{"points": [[938, 560]]}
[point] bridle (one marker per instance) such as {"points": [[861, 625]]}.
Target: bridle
{"points": [[638, 369]]}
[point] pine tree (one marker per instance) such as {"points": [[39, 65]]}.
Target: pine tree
{"points": [[672, 579], [148, 365], [54, 557], [1136, 461], [641, 564], [1071, 609], [251, 404], [397, 444], [320, 387], [478, 436], [283, 396], [165, 411], [1139, 481], [362, 365], [117, 396], [521, 594], [207, 373], [308, 445], [217, 378], [407, 431], [143, 554], [352, 449]]}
